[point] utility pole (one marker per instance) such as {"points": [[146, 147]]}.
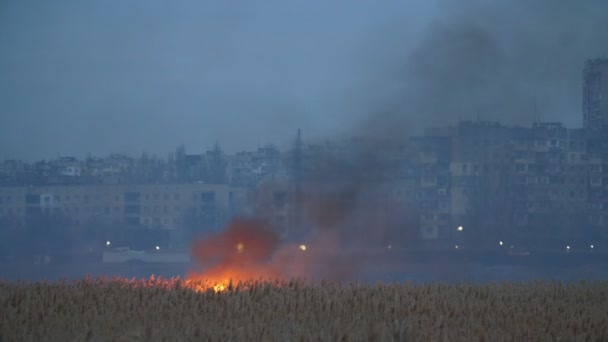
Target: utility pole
{"points": [[297, 179]]}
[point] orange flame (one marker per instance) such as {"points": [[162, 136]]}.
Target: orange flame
{"points": [[239, 253]]}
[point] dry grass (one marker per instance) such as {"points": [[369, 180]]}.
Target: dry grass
{"points": [[168, 310]]}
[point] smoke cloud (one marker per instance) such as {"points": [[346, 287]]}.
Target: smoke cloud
{"points": [[251, 249], [512, 62], [509, 61]]}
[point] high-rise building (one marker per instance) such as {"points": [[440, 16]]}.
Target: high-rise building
{"points": [[595, 94]]}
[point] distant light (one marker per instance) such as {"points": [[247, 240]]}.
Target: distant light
{"points": [[157, 248], [500, 243], [511, 246], [389, 247], [591, 246], [107, 243], [568, 247], [456, 247], [459, 228], [303, 247], [240, 247]]}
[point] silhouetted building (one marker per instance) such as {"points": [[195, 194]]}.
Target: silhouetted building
{"points": [[595, 94]]}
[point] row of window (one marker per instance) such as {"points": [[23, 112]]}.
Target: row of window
{"points": [[110, 210], [208, 196], [522, 167]]}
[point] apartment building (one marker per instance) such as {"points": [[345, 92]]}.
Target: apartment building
{"points": [[166, 206], [595, 94]]}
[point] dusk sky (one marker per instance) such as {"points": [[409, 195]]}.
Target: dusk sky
{"points": [[107, 77]]}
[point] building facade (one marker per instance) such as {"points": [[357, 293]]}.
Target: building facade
{"points": [[164, 206], [595, 94]]}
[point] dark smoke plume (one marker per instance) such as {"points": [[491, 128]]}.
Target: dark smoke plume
{"points": [[508, 61], [513, 62]]}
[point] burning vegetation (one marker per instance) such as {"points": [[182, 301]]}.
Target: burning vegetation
{"points": [[251, 249], [242, 251]]}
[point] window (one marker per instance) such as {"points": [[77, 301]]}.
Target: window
{"points": [[133, 221], [208, 196], [132, 209], [132, 196], [279, 199], [31, 199]]}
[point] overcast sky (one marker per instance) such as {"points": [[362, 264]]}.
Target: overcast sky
{"points": [[125, 76]]}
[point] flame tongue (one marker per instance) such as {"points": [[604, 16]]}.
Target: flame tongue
{"points": [[239, 253]]}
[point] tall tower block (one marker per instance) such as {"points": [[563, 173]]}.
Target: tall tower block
{"points": [[595, 94]]}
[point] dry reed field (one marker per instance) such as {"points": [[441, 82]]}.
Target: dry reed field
{"points": [[173, 310]]}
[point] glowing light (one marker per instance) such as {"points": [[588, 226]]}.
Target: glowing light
{"points": [[511, 246], [303, 247], [568, 247], [591, 246], [240, 247], [500, 243], [459, 228], [107, 243], [157, 247], [219, 288], [389, 247], [456, 247]]}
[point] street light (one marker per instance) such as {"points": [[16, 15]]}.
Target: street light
{"points": [[108, 243], [500, 243], [459, 228], [157, 248], [456, 247]]}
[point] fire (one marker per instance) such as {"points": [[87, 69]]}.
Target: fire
{"points": [[219, 288], [240, 247], [249, 250], [239, 253]]}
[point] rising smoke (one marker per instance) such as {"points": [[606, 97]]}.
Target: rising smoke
{"points": [[513, 62], [509, 61]]}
